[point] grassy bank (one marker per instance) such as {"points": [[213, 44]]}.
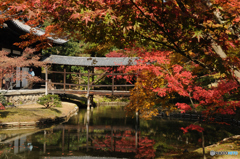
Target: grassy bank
{"points": [[228, 144], [34, 112]]}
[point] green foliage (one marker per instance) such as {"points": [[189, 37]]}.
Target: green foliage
{"points": [[10, 103], [71, 48], [206, 80], [50, 101], [3, 100], [122, 99], [113, 99], [105, 99], [75, 48]]}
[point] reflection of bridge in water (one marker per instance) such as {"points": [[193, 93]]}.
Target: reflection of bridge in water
{"points": [[83, 139], [98, 137]]}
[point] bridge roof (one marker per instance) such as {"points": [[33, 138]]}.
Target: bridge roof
{"points": [[90, 61]]}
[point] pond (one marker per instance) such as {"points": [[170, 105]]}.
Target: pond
{"points": [[108, 132]]}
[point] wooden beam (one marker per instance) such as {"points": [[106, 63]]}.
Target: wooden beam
{"points": [[90, 85], [120, 85], [91, 73], [68, 84], [99, 78]]}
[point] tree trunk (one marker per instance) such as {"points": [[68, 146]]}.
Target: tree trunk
{"points": [[218, 49]]}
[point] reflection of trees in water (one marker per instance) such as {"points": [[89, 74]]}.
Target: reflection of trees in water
{"points": [[126, 142], [169, 136], [5, 152], [166, 133], [97, 127], [104, 115], [50, 138], [111, 116]]}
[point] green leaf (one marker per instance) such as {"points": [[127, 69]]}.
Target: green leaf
{"points": [[198, 35]]}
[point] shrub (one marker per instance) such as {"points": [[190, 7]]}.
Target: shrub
{"points": [[3, 100], [2, 107], [50, 101]]}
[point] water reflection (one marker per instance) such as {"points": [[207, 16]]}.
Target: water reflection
{"points": [[103, 132], [107, 132]]}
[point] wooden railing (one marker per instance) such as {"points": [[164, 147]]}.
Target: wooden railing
{"points": [[88, 85]]}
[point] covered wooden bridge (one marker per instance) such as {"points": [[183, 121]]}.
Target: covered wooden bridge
{"points": [[89, 64]]}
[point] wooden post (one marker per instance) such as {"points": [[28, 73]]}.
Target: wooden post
{"points": [[64, 79], [92, 77], [70, 77], [46, 81], [88, 92], [91, 97], [79, 80], [112, 82]]}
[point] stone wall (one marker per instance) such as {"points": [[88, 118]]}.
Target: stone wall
{"points": [[23, 99], [19, 97]]}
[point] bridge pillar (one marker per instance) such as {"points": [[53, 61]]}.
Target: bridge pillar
{"points": [[88, 103], [91, 100], [46, 81], [88, 91]]}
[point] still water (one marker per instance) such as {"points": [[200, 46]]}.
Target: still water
{"points": [[107, 132]]}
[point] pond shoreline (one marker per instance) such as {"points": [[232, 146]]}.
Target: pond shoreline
{"points": [[67, 110]]}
